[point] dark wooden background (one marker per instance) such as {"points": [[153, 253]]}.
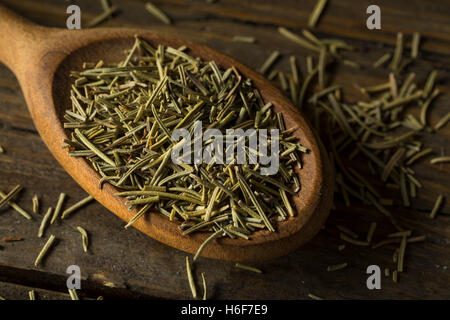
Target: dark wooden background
{"points": [[127, 264]]}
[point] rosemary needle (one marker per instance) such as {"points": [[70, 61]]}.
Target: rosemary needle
{"points": [[59, 204], [84, 238], [245, 267], [317, 11], [157, 13], [191, 278], [16, 207], [44, 250], [76, 206], [44, 222], [10, 195], [436, 206]]}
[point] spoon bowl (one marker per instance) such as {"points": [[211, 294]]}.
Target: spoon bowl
{"points": [[42, 59]]}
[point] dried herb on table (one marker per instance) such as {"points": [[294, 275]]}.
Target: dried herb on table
{"points": [[122, 119]]}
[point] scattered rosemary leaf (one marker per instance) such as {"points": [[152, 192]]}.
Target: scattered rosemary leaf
{"points": [[84, 238], [191, 279], [44, 250], [347, 231], [14, 191], [269, 62], [337, 267], [102, 17], [436, 206], [35, 201], [395, 276], [76, 206], [16, 207], [244, 39], [397, 53], [314, 297], [415, 45], [73, 294], [58, 207], [401, 255], [205, 243], [297, 39], [371, 231], [440, 160], [204, 286], [157, 13], [419, 155], [44, 222], [245, 267], [317, 11], [442, 122], [382, 60]]}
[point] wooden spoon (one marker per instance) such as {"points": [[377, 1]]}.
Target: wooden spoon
{"points": [[42, 58]]}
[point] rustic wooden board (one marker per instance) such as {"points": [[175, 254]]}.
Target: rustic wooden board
{"points": [[126, 264]]}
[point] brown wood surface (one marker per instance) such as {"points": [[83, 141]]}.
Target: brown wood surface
{"points": [[127, 264]]}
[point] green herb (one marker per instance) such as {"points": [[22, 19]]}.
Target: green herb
{"points": [[245, 267], [73, 294], [157, 13], [244, 39], [59, 204], [395, 276], [337, 267], [397, 53], [44, 222], [16, 207], [436, 206], [76, 206], [204, 286], [35, 200], [106, 14], [317, 11], [299, 40], [269, 62], [415, 45], [440, 160], [401, 255], [84, 238], [442, 122], [314, 297], [191, 279], [382, 60], [5, 199], [44, 250]]}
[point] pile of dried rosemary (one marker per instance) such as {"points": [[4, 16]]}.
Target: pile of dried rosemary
{"points": [[122, 119], [377, 138]]}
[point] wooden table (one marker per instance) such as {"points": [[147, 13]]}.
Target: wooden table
{"points": [[127, 264]]}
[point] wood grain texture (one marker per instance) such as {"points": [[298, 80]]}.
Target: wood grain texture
{"points": [[125, 263]]}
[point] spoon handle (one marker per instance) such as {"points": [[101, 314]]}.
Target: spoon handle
{"points": [[18, 38]]}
